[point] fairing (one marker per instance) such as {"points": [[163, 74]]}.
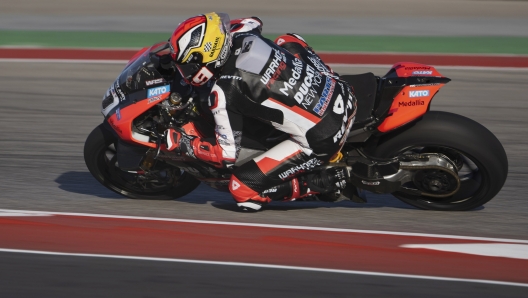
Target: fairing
{"points": [[140, 86], [406, 93]]}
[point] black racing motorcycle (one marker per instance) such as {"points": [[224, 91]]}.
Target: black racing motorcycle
{"points": [[429, 159]]}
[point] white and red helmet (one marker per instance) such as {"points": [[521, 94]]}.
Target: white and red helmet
{"points": [[200, 46]]}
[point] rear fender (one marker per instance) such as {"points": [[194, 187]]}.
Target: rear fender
{"points": [[406, 93]]}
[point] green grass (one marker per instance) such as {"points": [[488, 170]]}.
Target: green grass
{"points": [[481, 45]]}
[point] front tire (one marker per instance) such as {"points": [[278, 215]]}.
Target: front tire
{"points": [[482, 161], [101, 159]]}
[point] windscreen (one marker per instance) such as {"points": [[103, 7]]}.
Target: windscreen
{"points": [[140, 76]]}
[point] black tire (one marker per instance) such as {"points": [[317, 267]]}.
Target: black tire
{"points": [[96, 148], [462, 138]]}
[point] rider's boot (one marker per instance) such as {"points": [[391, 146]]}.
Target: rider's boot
{"points": [[289, 190], [331, 184], [296, 188], [325, 183], [334, 181]]}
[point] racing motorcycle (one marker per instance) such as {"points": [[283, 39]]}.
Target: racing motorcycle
{"points": [[429, 159]]}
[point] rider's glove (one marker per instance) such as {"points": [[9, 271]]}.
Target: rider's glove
{"points": [[179, 142]]}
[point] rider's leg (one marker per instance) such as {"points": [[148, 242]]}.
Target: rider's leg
{"points": [[283, 173]]}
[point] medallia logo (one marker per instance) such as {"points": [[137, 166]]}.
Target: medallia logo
{"points": [[158, 91], [419, 93], [411, 103]]}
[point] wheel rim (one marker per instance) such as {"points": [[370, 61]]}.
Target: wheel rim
{"points": [[472, 179], [126, 182]]}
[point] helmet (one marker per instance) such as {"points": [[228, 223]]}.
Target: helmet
{"points": [[200, 46]]}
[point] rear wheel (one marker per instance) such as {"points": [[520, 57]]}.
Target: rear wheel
{"points": [[478, 155], [162, 182]]}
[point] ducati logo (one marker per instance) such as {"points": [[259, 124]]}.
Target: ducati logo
{"points": [[235, 185]]}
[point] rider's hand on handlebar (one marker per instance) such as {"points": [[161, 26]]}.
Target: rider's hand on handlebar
{"points": [[179, 141]]}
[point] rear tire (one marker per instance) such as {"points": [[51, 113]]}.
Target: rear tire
{"points": [[484, 158], [98, 147]]}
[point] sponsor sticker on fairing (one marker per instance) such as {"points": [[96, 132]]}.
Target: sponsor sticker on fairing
{"points": [[423, 72], [158, 91], [372, 183], [113, 92], [118, 91], [154, 99], [154, 82], [419, 93], [411, 103], [417, 67]]}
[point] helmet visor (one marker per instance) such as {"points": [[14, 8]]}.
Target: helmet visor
{"points": [[188, 70], [226, 22]]}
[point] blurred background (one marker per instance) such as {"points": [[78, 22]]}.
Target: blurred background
{"points": [[430, 26]]}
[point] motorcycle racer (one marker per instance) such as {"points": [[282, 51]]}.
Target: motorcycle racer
{"points": [[282, 83]]}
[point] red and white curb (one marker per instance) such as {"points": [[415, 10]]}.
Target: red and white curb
{"points": [[347, 251]]}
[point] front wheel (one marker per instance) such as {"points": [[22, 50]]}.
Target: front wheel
{"points": [[164, 182], [479, 157]]}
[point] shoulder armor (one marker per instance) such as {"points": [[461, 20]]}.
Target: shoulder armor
{"points": [[252, 54]]}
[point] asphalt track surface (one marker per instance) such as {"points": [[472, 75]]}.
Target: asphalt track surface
{"points": [[48, 109]]}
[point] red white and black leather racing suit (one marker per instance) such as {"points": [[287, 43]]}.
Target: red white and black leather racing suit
{"points": [[286, 85]]}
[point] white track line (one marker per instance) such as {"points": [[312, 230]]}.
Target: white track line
{"points": [[386, 66], [266, 266], [503, 250], [306, 228], [23, 214]]}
